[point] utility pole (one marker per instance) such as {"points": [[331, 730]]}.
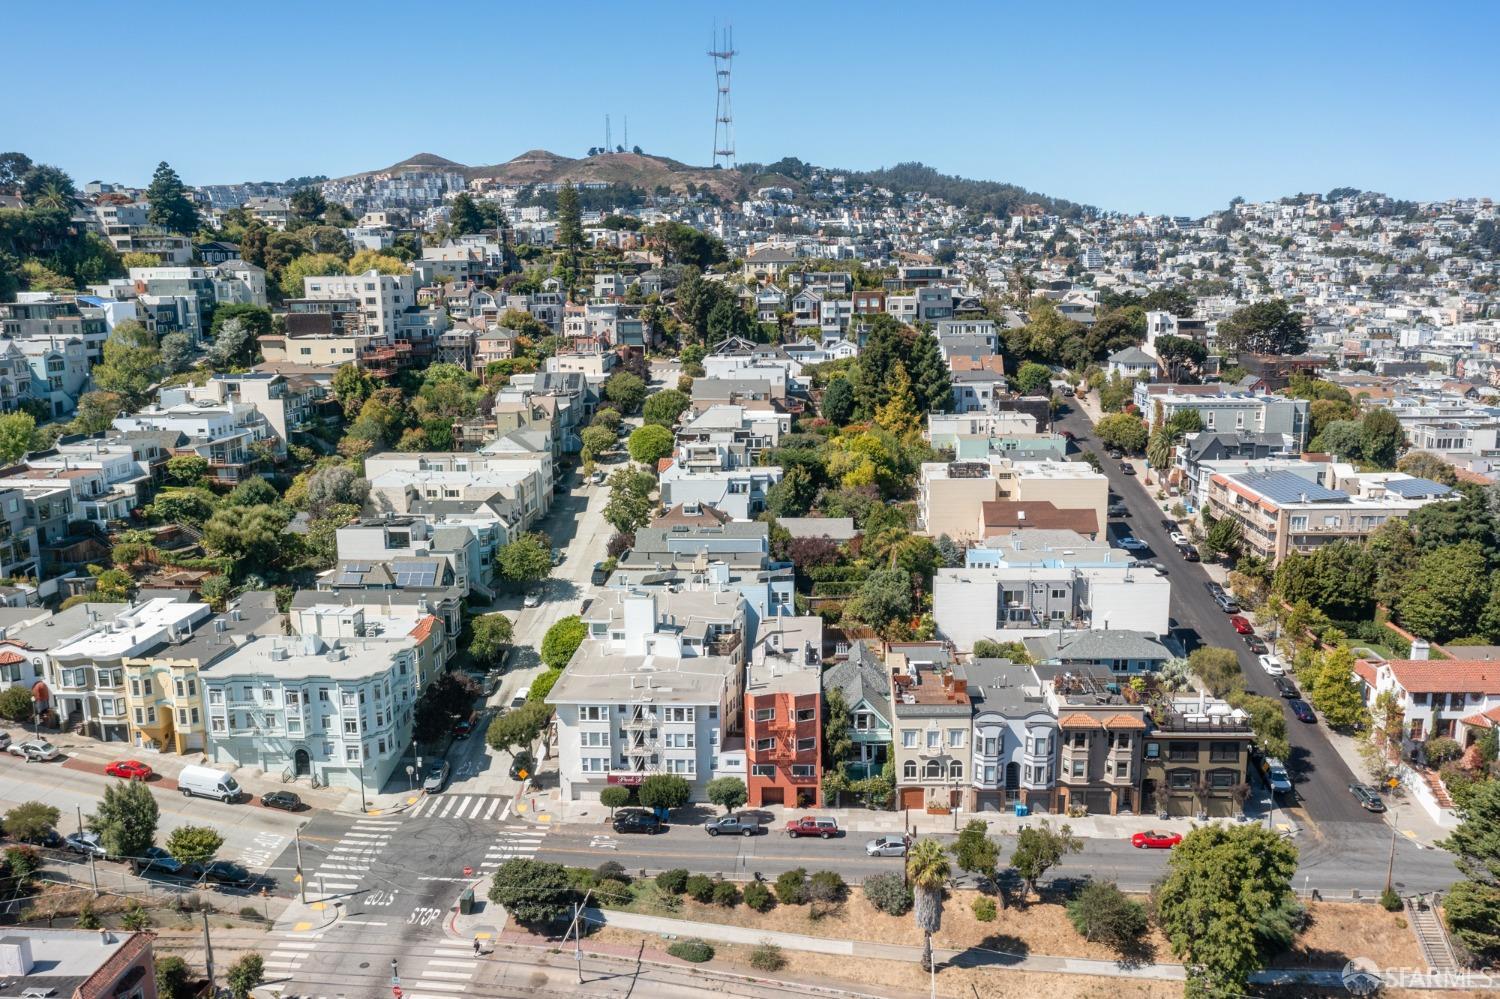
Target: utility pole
{"points": [[577, 931], [93, 871], [301, 878], [1390, 867], [208, 956]]}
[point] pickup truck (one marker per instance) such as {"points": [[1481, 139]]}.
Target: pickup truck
{"points": [[810, 826]]}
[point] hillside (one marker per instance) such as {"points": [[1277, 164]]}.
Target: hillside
{"points": [[538, 166]]}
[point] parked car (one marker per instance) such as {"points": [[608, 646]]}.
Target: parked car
{"points": [[597, 478], [1241, 625], [227, 874], [465, 725], [1131, 544], [1272, 664], [1285, 687], [809, 825], [532, 599], [129, 770], [1127, 468], [1367, 796], [1276, 776], [437, 776], [1153, 840], [559, 556], [206, 782], [1226, 603], [1115, 453], [4, 740], [522, 766], [886, 846], [1155, 567], [738, 824], [284, 800], [519, 700], [86, 843], [1302, 710], [1119, 510], [1068, 435], [634, 820], [1179, 539], [155, 860], [33, 750], [1189, 553], [51, 839], [599, 576], [1255, 645]]}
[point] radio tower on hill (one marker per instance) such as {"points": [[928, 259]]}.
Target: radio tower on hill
{"points": [[723, 56]]}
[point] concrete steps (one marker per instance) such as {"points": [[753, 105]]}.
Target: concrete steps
{"points": [[1431, 936]]}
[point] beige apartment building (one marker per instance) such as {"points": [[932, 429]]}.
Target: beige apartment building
{"points": [[952, 495]]}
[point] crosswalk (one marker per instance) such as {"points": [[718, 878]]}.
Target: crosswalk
{"points": [[511, 842], [481, 807], [346, 863], [446, 972], [289, 948]]}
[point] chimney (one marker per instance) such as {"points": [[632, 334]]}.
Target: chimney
{"points": [[1421, 649]]}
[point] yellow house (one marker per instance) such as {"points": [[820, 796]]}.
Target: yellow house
{"points": [[164, 705]]}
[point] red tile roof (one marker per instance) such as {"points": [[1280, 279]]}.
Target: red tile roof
{"points": [[8, 658], [1365, 671], [1486, 719], [1076, 720], [423, 629], [1446, 676]]}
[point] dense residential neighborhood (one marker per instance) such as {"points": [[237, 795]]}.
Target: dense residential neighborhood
{"points": [[482, 517]]}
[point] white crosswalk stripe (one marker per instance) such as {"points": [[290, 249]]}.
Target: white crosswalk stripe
{"points": [[469, 807]]}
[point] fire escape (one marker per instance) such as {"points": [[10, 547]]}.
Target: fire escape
{"points": [[642, 742]]}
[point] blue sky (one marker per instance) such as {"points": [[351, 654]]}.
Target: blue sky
{"points": [[1130, 106]]}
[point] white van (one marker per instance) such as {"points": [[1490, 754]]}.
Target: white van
{"points": [[207, 782]]}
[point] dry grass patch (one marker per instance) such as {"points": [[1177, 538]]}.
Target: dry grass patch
{"points": [[1339, 931]]}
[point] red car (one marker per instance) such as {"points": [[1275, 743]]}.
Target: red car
{"points": [[811, 826], [1241, 625], [129, 769], [1155, 840]]}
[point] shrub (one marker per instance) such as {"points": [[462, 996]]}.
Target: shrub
{"points": [[767, 957], [827, 886], [1441, 750], [250, 912], [700, 888], [888, 893], [136, 918], [673, 880], [758, 897], [1102, 912], [984, 909], [87, 918], [791, 886], [613, 870], [611, 893], [693, 950], [613, 797], [1390, 901], [727, 894]]}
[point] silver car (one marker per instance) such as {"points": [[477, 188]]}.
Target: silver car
{"points": [[437, 777], [886, 846], [33, 750]]}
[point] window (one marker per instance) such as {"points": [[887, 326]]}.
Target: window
{"points": [[933, 770], [140, 716], [762, 770], [182, 716], [955, 770], [351, 754], [955, 738], [323, 694], [593, 738], [806, 745], [679, 740], [1078, 766], [593, 764], [1221, 778], [989, 773], [1122, 769], [909, 772], [1180, 780], [351, 726], [864, 721], [765, 745], [805, 714], [1223, 752], [135, 685], [909, 738], [1153, 750], [678, 714], [593, 712], [802, 772], [682, 766], [765, 714], [216, 725], [934, 738], [1182, 752]]}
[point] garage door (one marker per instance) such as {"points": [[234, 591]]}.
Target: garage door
{"points": [[1097, 802], [773, 796], [913, 797]]}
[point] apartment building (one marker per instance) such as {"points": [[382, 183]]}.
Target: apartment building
{"points": [[231, 436], [1223, 408], [864, 683], [1279, 511], [46, 314], [1439, 699], [59, 370], [784, 714], [931, 714], [399, 480], [1196, 759], [739, 492], [380, 298], [1102, 741], [654, 688], [1014, 737], [1008, 603], [951, 495], [729, 436]]}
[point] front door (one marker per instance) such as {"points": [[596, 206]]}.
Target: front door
{"points": [[302, 763]]}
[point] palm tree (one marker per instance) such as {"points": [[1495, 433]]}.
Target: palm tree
{"points": [[1159, 449], [927, 868]]}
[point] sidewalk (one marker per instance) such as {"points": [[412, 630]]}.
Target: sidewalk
{"points": [[1403, 812]]}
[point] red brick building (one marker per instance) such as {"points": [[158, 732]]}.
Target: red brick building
{"points": [[784, 715]]}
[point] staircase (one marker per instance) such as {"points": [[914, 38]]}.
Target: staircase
{"points": [[1431, 936], [1435, 784]]}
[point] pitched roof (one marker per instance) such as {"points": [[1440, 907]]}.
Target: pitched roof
{"points": [[861, 677], [1078, 720], [1132, 355], [1446, 676]]}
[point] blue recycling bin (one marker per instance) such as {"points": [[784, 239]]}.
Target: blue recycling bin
{"points": [[1021, 810]]}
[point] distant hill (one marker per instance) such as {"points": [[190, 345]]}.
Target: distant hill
{"points": [[538, 166]]}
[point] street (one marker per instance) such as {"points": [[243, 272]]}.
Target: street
{"points": [[1321, 801]]}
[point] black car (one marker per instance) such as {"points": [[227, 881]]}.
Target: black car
{"points": [[156, 862], [636, 821], [1127, 468], [1285, 687], [523, 766], [734, 825], [1256, 645], [1189, 553], [284, 800], [1368, 797], [226, 874], [1302, 710], [1119, 510]]}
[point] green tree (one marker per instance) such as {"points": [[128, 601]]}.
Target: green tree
{"points": [[177, 352], [187, 506], [1039, 848], [1330, 683], [253, 491], [126, 819], [1032, 378], [97, 411], [526, 559], [1381, 437], [626, 390], [518, 727], [1446, 593], [31, 821], [17, 436], [251, 535], [1472, 906], [187, 470], [667, 791], [1267, 719], [308, 203], [1270, 327], [1102, 912], [334, 486], [1220, 880], [244, 975], [16, 704], [838, 402], [1224, 538], [1123, 431], [173, 980], [663, 408], [614, 796], [233, 345], [463, 216], [1425, 465], [171, 208], [351, 387], [308, 265], [974, 851], [793, 495], [728, 793], [194, 844], [490, 638], [630, 505], [884, 599], [927, 869], [649, 444], [569, 218], [370, 260], [562, 640], [1219, 669], [132, 362]]}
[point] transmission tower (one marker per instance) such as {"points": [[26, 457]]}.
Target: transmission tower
{"points": [[608, 141], [723, 56]]}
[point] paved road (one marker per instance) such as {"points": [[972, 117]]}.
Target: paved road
{"points": [[1320, 775]]}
